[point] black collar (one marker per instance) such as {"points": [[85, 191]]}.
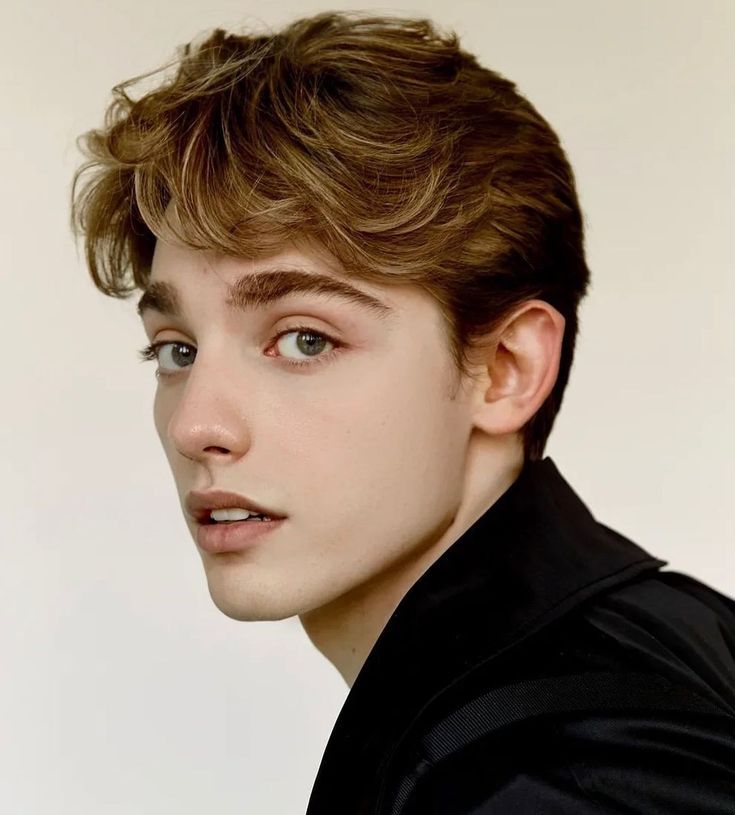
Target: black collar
{"points": [[534, 555]]}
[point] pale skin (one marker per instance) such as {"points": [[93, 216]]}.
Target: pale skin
{"points": [[378, 465]]}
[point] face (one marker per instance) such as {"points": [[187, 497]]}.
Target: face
{"points": [[361, 446]]}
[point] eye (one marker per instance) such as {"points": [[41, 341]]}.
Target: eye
{"points": [[309, 342], [181, 352], [173, 356]]}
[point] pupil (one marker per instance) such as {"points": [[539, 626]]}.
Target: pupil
{"points": [[181, 354], [316, 339]]}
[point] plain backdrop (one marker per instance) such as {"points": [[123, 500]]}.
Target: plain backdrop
{"points": [[123, 688]]}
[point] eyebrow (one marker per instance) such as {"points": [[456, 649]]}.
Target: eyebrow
{"points": [[263, 288]]}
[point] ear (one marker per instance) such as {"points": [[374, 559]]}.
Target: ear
{"points": [[518, 369]]}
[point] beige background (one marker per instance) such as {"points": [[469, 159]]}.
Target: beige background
{"points": [[123, 689]]}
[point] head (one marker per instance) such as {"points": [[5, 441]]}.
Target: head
{"points": [[372, 153]]}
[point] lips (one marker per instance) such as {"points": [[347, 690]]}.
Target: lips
{"points": [[200, 503], [218, 539]]}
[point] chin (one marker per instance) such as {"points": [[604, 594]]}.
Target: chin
{"points": [[245, 607], [247, 601], [254, 595], [240, 609]]}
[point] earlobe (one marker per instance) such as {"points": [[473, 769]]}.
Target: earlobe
{"points": [[522, 367]]}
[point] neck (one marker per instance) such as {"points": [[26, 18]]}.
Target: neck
{"points": [[346, 629]]}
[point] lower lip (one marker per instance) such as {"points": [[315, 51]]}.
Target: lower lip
{"points": [[235, 537]]}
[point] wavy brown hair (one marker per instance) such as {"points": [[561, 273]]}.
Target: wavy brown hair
{"points": [[378, 137]]}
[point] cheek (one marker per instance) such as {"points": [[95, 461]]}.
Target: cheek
{"points": [[374, 445], [380, 487], [161, 414], [163, 407]]}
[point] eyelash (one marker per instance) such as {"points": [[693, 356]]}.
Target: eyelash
{"points": [[150, 352]]}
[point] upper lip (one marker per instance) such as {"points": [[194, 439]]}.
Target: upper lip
{"points": [[199, 504]]}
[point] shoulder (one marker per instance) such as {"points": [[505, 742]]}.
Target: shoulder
{"points": [[657, 763], [625, 704], [671, 624]]}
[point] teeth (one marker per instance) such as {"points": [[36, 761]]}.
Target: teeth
{"points": [[234, 514]]}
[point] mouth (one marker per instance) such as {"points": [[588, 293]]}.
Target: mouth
{"points": [[236, 536], [228, 508], [206, 520]]}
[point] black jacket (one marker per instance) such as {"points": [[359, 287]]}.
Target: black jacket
{"points": [[543, 664]]}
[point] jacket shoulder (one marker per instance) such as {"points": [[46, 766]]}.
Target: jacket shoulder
{"points": [[659, 763], [628, 700], [670, 624]]}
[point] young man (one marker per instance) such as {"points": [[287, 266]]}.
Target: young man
{"points": [[361, 256]]}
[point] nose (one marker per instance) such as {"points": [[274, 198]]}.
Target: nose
{"points": [[206, 415]]}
